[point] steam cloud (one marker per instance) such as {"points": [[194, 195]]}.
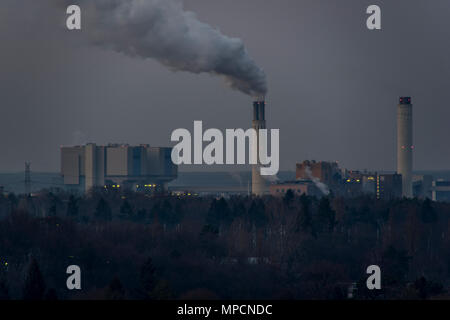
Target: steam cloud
{"points": [[271, 179], [163, 30], [320, 185]]}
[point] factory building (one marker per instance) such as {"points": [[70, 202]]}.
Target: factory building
{"points": [[259, 186], [441, 190], [119, 166], [422, 186], [326, 172], [356, 183], [298, 187], [385, 186], [405, 145], [389, 186]]}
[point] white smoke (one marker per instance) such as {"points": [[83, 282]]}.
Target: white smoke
{"points": [[163, 30], [271, 178], [322, 186]]}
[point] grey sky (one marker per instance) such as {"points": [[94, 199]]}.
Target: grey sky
{"points": [[333, 84]]}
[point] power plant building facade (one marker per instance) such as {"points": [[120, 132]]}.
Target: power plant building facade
{"points": [[117, 166], [405, 145]]}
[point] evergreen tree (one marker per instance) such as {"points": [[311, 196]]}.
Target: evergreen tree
{"points": [[179, 211], [256, 213], [141, 215], [326, 215], [55, 202], [162, 291], [4, 290], [395, 266], [428, 214], [13, 201], [154, 214], [427, 289], [34, 288], [147, 279], [239, 209], [115, 290], [72, 207], [126, 211], [304, 218], [218, 213], [103, 210], [289, 197], [51, 295], [167, 214], [52, 209]]}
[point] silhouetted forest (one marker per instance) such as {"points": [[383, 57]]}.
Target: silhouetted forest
{"points": [[135, 246]]}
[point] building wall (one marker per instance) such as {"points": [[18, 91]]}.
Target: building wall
{"points": [[389, 186], [383, 186], [324, 171], [100, 165], [90, 154], [154, 163], [422, 186], [441, 190], [279, 190], [117, 161], [71, 164]]}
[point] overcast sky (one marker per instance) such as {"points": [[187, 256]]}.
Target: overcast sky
{"points": [[333, 84]]}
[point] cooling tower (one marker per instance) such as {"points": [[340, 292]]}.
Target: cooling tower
{"points": [[259, 122], [405, 145]]}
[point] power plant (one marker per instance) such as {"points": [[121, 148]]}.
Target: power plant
{"points": [[259, 186], [118, 166], [405, 145]]}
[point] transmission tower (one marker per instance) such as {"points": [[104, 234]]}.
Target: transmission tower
{"points": [[27, 178]]}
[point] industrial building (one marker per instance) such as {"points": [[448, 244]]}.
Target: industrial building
{"points": [[259, 185], [422, 186], [351, 183], [389, 186], [383, 186], [405, 145], [441, 190], [326, 172], [298, 187], [118, 166]]}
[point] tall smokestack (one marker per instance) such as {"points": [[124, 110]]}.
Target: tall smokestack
{"points": [[405, 144], [259, 122]]}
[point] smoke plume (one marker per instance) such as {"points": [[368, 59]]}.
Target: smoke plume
{"points": [[320, 185], [163, 30], [271, 178]]}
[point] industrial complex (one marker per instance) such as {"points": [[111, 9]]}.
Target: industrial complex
{"points": [[119, 166], [318, 178], [150, 169]]}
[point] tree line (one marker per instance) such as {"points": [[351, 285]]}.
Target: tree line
{"points": [[136, 246]]}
